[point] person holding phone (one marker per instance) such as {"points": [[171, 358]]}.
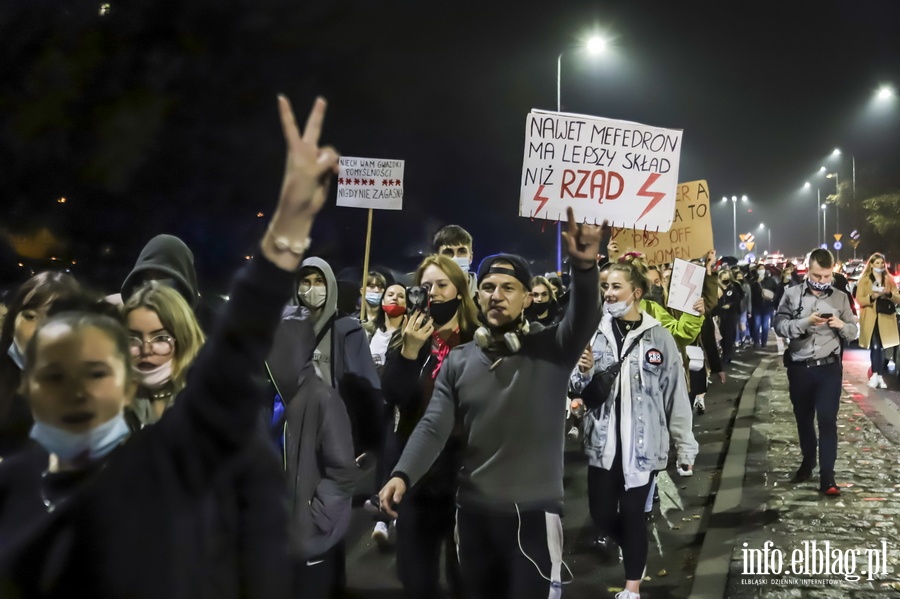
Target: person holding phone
{"points": [[817, 321], [878, 297], [435, 325]]}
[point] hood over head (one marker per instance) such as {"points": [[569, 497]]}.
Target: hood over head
{"points": [[290, 360], [165, 256], [330, 307]]}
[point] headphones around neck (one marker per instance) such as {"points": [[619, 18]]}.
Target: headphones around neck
{"points": [[512, 339]]}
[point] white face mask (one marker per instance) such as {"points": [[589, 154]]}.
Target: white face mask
{"points": [[314, 297], [878, 270], [463, 264], [92, 445], [16, 354], [618, 309], [762, 273], [156, 378]]}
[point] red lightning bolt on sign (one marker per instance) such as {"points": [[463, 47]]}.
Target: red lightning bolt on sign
{"points": [[655, 196], [686, 281], [540, 198]]}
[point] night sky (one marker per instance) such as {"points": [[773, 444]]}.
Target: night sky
{"points": [[161, 116]]}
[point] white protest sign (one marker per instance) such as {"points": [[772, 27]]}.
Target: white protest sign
{"points": [[685, 285], [620, 171], [370, 183]]}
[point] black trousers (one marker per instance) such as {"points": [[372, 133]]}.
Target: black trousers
{"points": [[510, 556], [876, 351], [425, 524], [816, 395], [619, 514], [321, 577], [728, 323]]}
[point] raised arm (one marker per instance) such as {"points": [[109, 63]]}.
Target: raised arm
{"points": [[583, 315]]}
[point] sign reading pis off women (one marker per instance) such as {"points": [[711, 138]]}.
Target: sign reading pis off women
{"points": [[619, 171]]}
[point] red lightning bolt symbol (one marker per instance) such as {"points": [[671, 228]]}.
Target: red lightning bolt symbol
{"points": [[686, 281], [655, 196], [540, 198]]}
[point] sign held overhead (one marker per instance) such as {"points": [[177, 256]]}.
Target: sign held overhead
{"points": [[604, 169]]}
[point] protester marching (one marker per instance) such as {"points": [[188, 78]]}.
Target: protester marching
{"points": [[153, 446]]}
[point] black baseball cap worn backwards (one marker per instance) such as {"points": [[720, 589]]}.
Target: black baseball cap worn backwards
{"points": [[520, 270]]}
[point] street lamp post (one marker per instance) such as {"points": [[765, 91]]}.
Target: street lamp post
{"points": [[818, 203], [595, 45], [837, 206], [825, 223], [769, 231], [734, 200]]}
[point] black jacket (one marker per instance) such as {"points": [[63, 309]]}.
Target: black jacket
{"points": [[407, 386], [137, 524], [319, 463]]}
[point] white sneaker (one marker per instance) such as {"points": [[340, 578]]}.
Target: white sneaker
{"points": [[381, 535], [626, 594], [873, 381], [573, 433], [881, 383], [700, 403]]}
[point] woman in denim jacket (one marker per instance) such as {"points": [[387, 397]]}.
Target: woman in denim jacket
{"points": [[626, 433]]}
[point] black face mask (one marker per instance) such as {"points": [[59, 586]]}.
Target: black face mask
{"points": [[533, 311], [656, 294], [443, 312]]}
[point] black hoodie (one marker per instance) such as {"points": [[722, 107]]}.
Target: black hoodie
{"points": [[167, 255]]}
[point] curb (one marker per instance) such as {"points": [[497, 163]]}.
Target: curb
{"points": [[711, 575]]}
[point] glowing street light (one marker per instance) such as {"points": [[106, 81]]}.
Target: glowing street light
{"points": [[596, 45], [885, 92]]}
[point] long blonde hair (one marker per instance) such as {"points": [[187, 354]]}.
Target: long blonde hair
{"points": [[176, 316], [467, 314], [867, 271]]}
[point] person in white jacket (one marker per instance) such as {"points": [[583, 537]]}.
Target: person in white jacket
{"points": [[627, 431]]}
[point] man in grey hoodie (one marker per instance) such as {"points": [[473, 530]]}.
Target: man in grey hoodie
{"points": [[505, 392], [342, 358]]}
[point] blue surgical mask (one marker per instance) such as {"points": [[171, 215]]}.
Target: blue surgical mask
{"points": [[878, 270], [463, 263], [91, 445], [373, 298], [17, 356]]}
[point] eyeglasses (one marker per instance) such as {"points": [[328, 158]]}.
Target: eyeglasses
{"points": [[161, 345]]}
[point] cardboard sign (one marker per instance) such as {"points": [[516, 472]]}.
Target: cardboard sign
{"points": [[685, 286], [691, 235], [619, 171], [370, 183]]}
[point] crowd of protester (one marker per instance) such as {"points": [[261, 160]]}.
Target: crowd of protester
{"points": [[149, 450]]}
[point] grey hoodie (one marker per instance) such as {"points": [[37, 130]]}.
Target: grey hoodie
{"points": [[343, 359], [318, 445]]}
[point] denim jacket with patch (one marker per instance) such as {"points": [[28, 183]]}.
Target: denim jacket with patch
{"points": [[653, 378]]}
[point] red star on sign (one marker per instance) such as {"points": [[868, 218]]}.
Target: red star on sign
{"points": [[365, 182], [356, 181], [340, 180], [397, 183], [371, 181], [384, 182], [390, 182]]}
